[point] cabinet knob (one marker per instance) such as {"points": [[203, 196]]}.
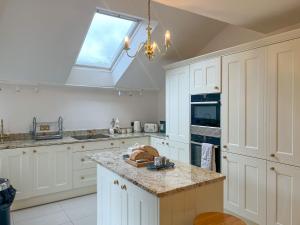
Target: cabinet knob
{"points": [[116, 182], [82, 146], [111, 144], [272, 168], [273, 155], [123, 187], [34, 151], [123, 142], [24, 152], [216, 88], [167, 136], [82, 178], [224, 157], [163, 143], [68, 148], [224, 146], [167, 143], [82, 160]]}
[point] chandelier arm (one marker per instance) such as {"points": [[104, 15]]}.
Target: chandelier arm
{"points": [[139, 49]]}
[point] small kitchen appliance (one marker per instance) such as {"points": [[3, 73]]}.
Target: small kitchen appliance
{"points": [[150, 128], [162, 126], [137, 126]]}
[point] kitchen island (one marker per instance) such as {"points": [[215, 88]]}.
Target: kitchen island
{"points": [[136, 196]]}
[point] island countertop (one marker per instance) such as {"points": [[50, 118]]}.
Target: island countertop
{"points": [[160, 183]]}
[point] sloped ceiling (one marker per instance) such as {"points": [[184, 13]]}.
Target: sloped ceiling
{"points": [[259, 15], [40, 39]]}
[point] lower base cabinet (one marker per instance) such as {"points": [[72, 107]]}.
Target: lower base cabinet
{"points": [[172, 149], [283, 197], [245, 186], [122, 203]]}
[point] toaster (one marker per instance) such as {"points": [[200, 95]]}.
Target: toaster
{"points": [[150, 128]]}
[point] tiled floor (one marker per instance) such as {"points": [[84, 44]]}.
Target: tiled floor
{"points": [[76, 211]]}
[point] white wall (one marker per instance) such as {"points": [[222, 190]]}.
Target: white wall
{"points": [[230, 36], [81, 108]]}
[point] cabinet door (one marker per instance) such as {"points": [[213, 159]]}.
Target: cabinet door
{"points": [[283, 185], [160, 145], [243, 103], [205, 76], [17, 168], [284, 95], [179, 151], [177, 104], [126, 143], [52, 169], [245, 186], [42, 170], [62, 168]]}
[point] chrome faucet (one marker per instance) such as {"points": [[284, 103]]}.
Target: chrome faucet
{"points": [[2, 132]]}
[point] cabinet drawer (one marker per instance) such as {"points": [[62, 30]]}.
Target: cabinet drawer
{"points": [[82, 161], [88, 146], [125, 143], [84, 178]]}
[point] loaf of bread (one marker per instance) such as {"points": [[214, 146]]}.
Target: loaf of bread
{"points": [[149, 149], [141, 155]]}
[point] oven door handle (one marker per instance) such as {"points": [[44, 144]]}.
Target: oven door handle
{"points": [[205, 103], [200, 144]]}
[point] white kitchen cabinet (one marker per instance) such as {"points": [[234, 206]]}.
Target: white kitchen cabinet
{"points": [[178, 104], [243, 103], [179, 151], [284, 104], [160, 145], [245, 186], [126, 143], [52, 169], [172, 149], [283, 185], [16, 166], [122, 203], [205, 76]]}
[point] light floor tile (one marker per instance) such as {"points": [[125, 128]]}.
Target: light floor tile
{"points": [[84, 201], [36, 212], [90, 220], [59, 218], [76, 213]]}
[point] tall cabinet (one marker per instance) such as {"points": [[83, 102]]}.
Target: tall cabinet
{"points": [[178, 113], [261, 133]]}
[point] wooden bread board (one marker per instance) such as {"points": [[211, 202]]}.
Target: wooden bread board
{"points": [[134, 163]]}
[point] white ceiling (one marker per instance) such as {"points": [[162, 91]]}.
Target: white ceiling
{"points": [[260, 15], [40, 39]]}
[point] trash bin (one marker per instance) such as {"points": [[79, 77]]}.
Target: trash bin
{"points": [[7, 196]]}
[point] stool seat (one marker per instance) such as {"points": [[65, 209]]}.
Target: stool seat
{"points": [[217, 218]]}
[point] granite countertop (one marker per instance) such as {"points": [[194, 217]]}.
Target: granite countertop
{"points": [[70, 140], [160, 183]]}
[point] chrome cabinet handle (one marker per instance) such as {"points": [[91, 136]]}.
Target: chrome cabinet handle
{"points": [[273, 155], [123, 187], [116, 182], [82, 160]]}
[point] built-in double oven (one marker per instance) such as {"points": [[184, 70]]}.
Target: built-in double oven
{"points": [[205, 126]]}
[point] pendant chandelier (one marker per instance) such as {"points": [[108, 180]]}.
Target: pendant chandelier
{"points": [[150, 47]]}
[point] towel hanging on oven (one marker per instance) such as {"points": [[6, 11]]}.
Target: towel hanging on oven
{"points": [[208, 157]]}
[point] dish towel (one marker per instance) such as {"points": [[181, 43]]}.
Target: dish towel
{"points": [[208, 157]]}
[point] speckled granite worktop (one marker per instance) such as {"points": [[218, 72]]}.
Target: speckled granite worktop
{"points": [[160, 183], [70, 140]]}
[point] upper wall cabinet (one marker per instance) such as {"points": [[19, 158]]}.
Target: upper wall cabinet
{"points": [[205, 76], [284, 102], [243, 103], [177, 104]]}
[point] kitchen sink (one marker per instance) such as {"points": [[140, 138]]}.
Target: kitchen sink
{"points": [[88, 137]]}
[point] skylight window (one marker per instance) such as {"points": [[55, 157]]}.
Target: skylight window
{"points": [[104, 41]]}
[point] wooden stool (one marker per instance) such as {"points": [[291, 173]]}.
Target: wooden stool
{"points": [[216, 218]]}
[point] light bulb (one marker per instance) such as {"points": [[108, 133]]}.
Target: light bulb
{"points": [[126, 43], [167, 38]]}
